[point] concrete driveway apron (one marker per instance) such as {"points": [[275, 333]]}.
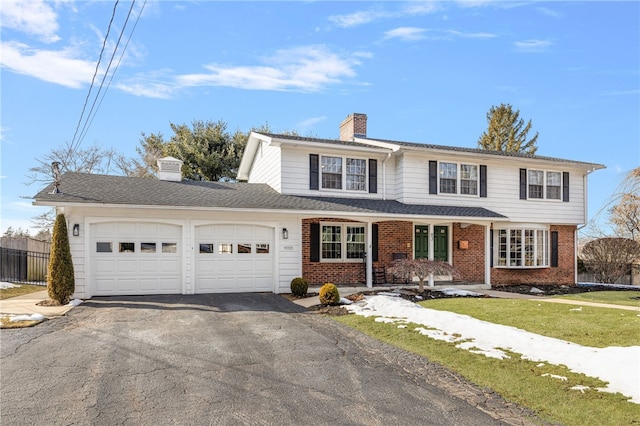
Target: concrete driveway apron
{"points": [[224, 359]]}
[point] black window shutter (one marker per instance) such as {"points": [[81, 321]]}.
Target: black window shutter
{"points": [[433, 177], [554, 249], [491, 249], [314, 171], [483, 181], [373, 176], [565, 187], [374, 242], [523, 184], [314, 242]]}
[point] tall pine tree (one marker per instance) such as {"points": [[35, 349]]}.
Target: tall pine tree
{"points": [[507, 132]]}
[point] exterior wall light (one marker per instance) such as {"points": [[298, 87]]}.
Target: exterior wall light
{"points": [[285, 234], [76, 229]]}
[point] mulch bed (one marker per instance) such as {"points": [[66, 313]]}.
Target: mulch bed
{"points": [[414, 295]]}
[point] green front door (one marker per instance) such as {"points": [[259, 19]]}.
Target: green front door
{"points": [[422, 242], [440, 243]]}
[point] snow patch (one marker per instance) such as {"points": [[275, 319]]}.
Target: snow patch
{"points": [[618, 366], [5, 285], [32, 317]]}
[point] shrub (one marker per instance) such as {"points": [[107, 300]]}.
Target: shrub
{"points": [[60, 279], [299, 287], [329, 294]]}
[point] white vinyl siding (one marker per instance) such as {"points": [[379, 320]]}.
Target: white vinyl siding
{"points": [[503, 190], [267, 167]]}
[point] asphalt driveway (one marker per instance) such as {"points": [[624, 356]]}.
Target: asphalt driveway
{"points": [[223, 359]]}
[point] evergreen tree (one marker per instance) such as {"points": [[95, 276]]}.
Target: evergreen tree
{"points": [[507, 132], [60, 277]]}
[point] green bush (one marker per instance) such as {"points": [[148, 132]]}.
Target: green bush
{"points": [[61, 281], [299, 287], [329, 294]]}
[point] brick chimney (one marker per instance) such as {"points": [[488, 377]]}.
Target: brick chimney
{"points": [[354, 126]]}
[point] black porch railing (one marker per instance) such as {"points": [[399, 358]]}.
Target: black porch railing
{"points": [[21, 266]]}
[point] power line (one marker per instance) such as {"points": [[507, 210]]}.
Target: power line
{"points": [[92, 114], [86, 101]]}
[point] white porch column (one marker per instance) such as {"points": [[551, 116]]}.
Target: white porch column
{"points": [[487, 254], [369, 255]]}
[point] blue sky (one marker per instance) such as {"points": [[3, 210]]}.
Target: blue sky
{"points": [[421, 71]]}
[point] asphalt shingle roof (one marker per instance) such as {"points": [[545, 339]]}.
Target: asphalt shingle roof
{"points": [[418, 145], [121, 190]]}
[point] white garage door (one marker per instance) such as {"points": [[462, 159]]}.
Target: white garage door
{"points": [[234, 258], [130, 258]]}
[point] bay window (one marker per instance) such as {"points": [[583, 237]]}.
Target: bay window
{"points": [[521, 247]]}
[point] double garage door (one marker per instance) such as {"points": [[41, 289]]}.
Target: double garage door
{"points": [[137, 258]]}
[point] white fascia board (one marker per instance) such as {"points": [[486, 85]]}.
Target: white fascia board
{"points": [[372, 142], [333, 146], [253, 143]]}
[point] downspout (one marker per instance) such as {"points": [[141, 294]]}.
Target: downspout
{"points": [[575, 237], [384, 176]]}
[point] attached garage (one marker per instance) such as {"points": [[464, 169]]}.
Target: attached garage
{"points": [[234, 258], [135, 258]]}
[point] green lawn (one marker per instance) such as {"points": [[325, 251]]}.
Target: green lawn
{"points": [[627, 298], [6, 293], [519, 380], [585, 325]]}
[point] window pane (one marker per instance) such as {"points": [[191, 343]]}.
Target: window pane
{"points": [[225, 248], [515, 247], [554, 183], [244, 248], [262, 248], [468, 179], [332, 172], [331, 242], [448, 178], [529, 246], [206, 248], [127, 247], [104, 248], [170, 247], [147, 247], [356, 174], [355, 242], [502, 247]]}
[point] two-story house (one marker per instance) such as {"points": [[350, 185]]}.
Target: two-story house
{"points": [[329, 210]]}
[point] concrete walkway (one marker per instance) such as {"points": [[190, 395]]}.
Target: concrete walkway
{"points": [[26, 304]]}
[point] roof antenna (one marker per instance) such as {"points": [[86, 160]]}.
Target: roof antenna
{"points": [[55, 166]]}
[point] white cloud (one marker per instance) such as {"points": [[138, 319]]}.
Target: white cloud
{"points": [[549, 12], [532, 45], [310, 122], [406, 33], [305, 69], [56, 66], [33, 17], [413, 8], [415, 34]]}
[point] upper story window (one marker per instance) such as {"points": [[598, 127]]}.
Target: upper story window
{"points": [[342, 173], [544, 184], [331, 172], [454, 178]]}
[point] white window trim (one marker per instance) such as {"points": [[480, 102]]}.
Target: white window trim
{"points": [[521, 228], [343, 241], [344, 174], [544, 185], [458, 192]]}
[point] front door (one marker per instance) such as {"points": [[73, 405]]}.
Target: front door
{"points": [[422, 242], [441, 243]]}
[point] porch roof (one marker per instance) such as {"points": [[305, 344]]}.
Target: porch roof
{"points": [[100, 190]]}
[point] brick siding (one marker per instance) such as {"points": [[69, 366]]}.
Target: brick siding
{"points": [[397, 237]]}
